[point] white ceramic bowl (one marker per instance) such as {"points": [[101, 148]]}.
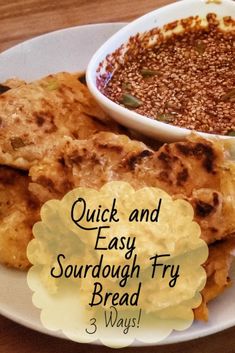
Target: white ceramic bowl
{"points": [[157, 18]]}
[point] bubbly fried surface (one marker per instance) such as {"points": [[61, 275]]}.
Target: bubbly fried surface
{"points": [[33, 116], [108, 157], [18, 212], [53, 128], [217, 268]]}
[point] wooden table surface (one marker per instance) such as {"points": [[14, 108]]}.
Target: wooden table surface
{"points": [[21, 20]]}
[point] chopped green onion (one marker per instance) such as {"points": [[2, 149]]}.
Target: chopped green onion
{"points": [[52, 86], [229, 96], [166, 118], [200, 47], [148, 72], [130, 101]]}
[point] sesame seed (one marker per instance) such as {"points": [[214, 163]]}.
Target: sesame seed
{"points": [[189, 75]]}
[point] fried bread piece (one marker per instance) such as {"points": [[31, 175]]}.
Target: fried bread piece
{"points": [[195, 170], [33, 116], [18, 212], [12, 83], [217, 268]]}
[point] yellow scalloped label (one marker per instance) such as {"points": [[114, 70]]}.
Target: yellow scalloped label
{"points": [[117, 265]]}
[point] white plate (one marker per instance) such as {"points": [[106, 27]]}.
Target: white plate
{"points": [[71, 49]]}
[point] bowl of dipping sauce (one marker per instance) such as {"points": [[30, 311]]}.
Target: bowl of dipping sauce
{"points": [[171, 71]]}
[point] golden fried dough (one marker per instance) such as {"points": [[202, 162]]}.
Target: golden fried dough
{"points": [[217, 268], [12, 83], [53, 128], [18, 212], [195, 170], [34, 116]]}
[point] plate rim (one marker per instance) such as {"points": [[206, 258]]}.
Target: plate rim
{"points": [[37, 326], [58, 31]]}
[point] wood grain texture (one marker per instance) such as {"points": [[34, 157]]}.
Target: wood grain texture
{"points": [[18, 339], [21, 20]]}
